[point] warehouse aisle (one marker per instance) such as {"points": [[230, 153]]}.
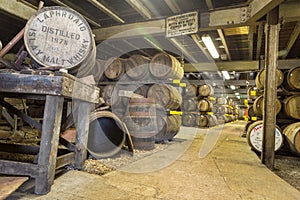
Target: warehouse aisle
{"points": [[230, 171]]}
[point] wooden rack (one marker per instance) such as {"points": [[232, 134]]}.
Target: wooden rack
{"points": [[54, 89]]}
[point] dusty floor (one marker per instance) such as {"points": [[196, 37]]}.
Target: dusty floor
{"points": [[183, 170]]}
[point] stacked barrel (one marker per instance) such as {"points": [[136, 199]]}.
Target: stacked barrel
{"points": [[287, 107], [142, 79], [198, 107], [226, 110]]}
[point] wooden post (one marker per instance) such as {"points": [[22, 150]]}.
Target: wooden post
{"points": [[82, 131], [49, 144], [269, 116]]}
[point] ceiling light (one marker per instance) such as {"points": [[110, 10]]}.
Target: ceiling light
{"points": [[232, 87], [236, 93], [226, 75], [210, 46]]}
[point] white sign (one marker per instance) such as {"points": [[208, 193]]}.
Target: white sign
{"points": [[182, 24]]}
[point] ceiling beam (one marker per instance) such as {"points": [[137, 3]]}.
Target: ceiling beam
{"points": [[196, 39], [260, 32], [78, 9], [223, 83], [173, 6], [186, 54], [106, 10], [17, 8], [209, 4], [289, 11], [140, 8], [135, 47], [292, 40], [219, 66], [259, 8], [223, 40], [250, 42]]}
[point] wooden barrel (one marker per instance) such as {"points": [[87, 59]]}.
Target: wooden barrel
{"points": [[260, 78], [189, 105], [292, 135], [67, 44], [223, 109], [106, 134], [132, 90], [110, 94], [207, 121], [206, 90], [168, 127], [215, 109], [142, 122], [137, 67], [292, 81], [255, 135], [204, 105], [258, 106], [189, 119], [98, 70], [165, 66], [114, 68], [291, 106], [165, 95], [221, 119], [251, 112], [190, 90], [252, 92], [221, 101]]}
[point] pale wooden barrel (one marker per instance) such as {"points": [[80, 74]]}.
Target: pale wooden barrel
{"points": [[165, 95], [223, 109], [292, 80], [206, 90], [292, 134], [207, 121], [137, 67], [67, 44], [110, 94], [165, 66], [189, 119], [205, 105], [189, 105], [221, 119], [251, 112], [98, 70], [255, 135], [260, 78], [190, 90], [291, 106], [221, 101], [114, 68], [258, 106], [168, 127]]}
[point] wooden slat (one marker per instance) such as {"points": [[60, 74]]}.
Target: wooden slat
{"points": [[9, 184]]}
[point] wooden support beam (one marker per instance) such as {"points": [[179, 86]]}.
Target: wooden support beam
{"points": [[292, 40], [259, 40], [270, 91], [140, 8], [223, 40], [186, 54], [259, 8], [219, 66], [250, 43]]}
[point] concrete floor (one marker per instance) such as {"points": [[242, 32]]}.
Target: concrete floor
{"points": [[230, 171]]}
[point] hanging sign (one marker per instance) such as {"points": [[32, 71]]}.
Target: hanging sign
{"points": [[183, 24]]}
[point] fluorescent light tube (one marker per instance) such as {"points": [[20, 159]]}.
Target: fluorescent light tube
{"points": [[232, 87], [226, 75], [210, 46]]}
